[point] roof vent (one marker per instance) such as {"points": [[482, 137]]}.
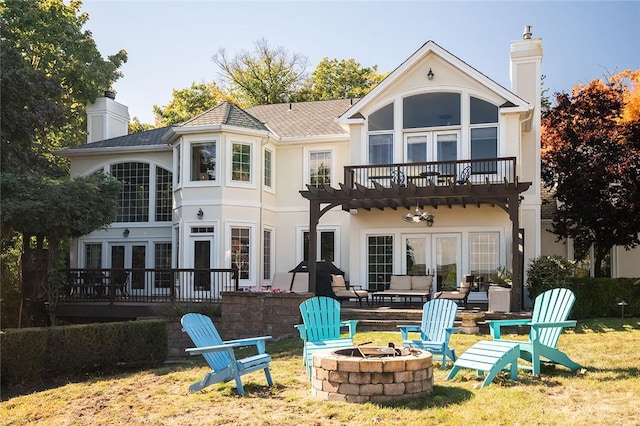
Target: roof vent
{"points": [[110, 94], [526, 32]]}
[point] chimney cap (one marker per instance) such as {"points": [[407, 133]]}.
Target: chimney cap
{"points": [[110, 94], [527, 32]]}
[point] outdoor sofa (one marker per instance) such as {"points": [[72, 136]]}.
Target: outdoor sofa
{"points": [[406, 287]]}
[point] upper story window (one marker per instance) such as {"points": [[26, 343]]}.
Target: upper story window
{"points": [[241, 162], [139, 181], [133, 205], [203, 161], [431, 110], [164, 195], [319, 168], [482, 111], [484, 134], [268, 168], [380, 128]]}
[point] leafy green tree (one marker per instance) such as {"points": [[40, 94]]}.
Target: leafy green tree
{"points": [[265, 76], [136, 126], [52, 211], [187, 103], [333, 79], [50, 69], [591, 158]]}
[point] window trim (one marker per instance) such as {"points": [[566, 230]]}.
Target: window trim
{"points": [[300, 231], [253, 168], [306, 167], [269, 188], [188, 171]]}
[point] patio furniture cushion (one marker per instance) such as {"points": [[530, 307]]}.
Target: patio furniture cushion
{"points": [[421, 282], [400, 282]]}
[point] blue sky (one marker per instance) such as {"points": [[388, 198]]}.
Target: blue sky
{"points": [[170, 43]]}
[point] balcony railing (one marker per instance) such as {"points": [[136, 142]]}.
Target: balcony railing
{"points": [[148, 285], [438, 173]]}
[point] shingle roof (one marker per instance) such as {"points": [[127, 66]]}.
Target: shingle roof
{"points": [[148, 137], [303, 119], [225, 113]]}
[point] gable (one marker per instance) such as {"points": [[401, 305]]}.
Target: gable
{"points": [[449, 73]]}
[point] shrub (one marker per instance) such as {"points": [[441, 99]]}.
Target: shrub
{"points": [[547, 272], [36, 353], [600, 297]]}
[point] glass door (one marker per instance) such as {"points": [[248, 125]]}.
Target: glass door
{"points": [[447, 249], [416, 259], [131, 256]]}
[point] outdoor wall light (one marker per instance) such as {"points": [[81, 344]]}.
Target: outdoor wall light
{"points": [[200, 213], [430, 74], [125, 233]]}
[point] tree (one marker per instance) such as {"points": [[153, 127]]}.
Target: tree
{"points": [[591, 157], [50, 70], [136, 126], [333, 79], [53, 211], [266, 76], [189, 102]]}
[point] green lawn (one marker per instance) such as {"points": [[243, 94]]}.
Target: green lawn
{"points": [[605, 392]]}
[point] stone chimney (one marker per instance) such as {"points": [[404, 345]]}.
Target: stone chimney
{"points": [[106, 118]]}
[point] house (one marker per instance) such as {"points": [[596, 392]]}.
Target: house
{"points": [[348, 181]]}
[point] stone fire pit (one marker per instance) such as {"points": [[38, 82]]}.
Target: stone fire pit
{"points": [[345, 375]]}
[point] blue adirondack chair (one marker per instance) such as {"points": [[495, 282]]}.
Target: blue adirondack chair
{"points": [[438, 316], [321, 328], [550, 312], [220, 355]]}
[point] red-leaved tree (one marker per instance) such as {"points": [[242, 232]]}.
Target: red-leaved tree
{"points": [[591, 159]]}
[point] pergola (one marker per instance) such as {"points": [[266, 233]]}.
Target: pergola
{"points": [[505, 195]]}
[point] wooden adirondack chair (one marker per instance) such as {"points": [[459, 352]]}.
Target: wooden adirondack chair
{"points": [[550, 312], [321, 328], [220, 355], [438, 316]]}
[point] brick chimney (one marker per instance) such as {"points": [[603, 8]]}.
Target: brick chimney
{"points": [[106, 118]]}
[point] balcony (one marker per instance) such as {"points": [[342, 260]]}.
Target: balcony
{"points": [[429, 174]]}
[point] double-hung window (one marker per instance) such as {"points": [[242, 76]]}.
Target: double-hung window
{"points": [[319, 168], [240, 162]]}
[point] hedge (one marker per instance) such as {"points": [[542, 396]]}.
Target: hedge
{"points": [[600, 297], [37, 353]]}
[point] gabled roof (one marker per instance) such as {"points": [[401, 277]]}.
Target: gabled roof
{"points": [[303, 119], [225, 113], [427, 48]]}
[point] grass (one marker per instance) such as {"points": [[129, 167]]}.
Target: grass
{"points": [[605, 392]]}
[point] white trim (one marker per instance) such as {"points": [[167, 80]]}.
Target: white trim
{"points": [[306, 168], [254, 257], [253, 158]]}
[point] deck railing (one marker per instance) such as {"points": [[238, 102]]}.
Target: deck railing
{"points": [[439, 173], [148, 285]]}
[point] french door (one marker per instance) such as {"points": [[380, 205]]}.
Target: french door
{"points": [[434, 254], [131, 256]]}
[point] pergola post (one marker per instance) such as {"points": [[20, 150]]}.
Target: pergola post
{"points": [[314, 218], [516, 262]]}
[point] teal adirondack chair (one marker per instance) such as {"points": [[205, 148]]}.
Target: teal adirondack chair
{"points": [[438, 316], [220, 355], [550, 312], [321, 328]]}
